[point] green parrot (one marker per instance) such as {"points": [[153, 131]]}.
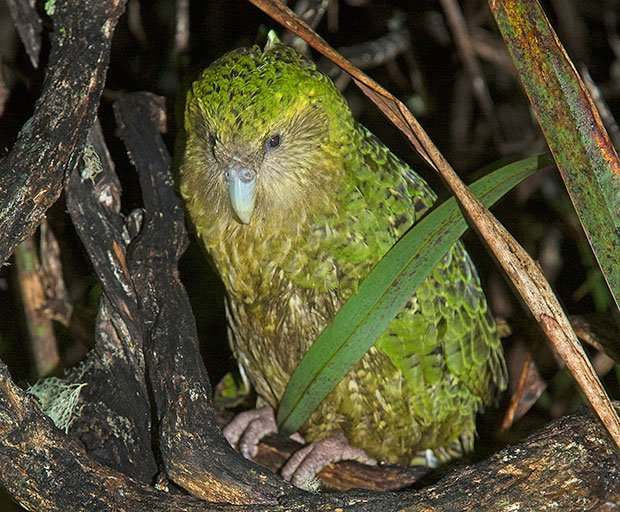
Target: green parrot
{"points": [[295, 202]]}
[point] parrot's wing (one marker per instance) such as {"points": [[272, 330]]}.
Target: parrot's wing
{"points": [[446, 331], [446, 327]]}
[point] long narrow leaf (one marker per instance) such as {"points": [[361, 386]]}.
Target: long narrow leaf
{"points": [[384, 293], [580, 145]]}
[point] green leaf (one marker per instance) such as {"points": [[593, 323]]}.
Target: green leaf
{"points": [[583, 152], [383, 294]]}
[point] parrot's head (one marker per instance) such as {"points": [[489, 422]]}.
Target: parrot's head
{"points": [[265, 136]]}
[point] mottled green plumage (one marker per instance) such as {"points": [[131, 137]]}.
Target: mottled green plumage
{"points": [[330, 200]]}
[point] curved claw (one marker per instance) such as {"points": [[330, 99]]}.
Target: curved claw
{"points": [[307, 462]]}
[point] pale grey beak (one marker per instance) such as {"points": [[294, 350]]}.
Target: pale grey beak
{"points": [[242, 190]]}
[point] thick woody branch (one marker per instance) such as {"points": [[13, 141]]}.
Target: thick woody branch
{"points": [[51, 142], [570, 465]]}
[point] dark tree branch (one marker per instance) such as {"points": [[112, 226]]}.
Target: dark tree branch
{"points": [[195, 454], [115, 424], [569, 465], [144, 302], [51, 142], [46, 470], [370, 53]]}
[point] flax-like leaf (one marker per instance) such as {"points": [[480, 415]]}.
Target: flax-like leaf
{"points": [[383, 294], [579, 143]]}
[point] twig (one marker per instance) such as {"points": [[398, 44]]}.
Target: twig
{"points": [[56, 305], [370, 53], [606, 115], [311, 11], [40, 329], [529, 388], [29, 27], [181, 26], [599, 330], [462, 39]]}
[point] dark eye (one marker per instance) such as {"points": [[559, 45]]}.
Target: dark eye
{"points": [[211, 142], [274, 141]]}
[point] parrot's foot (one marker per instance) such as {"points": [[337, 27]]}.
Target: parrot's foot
{"points": [[247, 429], [306, 463]]}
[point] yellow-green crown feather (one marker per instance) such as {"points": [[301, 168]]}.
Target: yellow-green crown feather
{"points": [[248, 89]]}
